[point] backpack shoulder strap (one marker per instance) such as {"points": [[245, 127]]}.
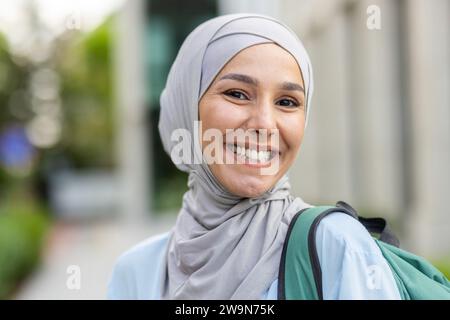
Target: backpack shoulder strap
{"points": [[300, 275], [373, 225]]}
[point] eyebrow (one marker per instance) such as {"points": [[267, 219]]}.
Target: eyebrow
{"points": [[290, 86], [240, 77]]}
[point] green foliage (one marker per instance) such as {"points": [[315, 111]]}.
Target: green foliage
{"points": [[22, 230], [13, 80], [87, 92], [443, 266], [169, 194]]}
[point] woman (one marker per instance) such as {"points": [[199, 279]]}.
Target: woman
{"points": [[241, 73]]}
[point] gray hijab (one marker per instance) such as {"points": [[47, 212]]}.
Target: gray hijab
{"points": [[223, 246]]}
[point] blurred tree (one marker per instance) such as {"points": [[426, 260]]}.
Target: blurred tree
{"points": [[23, 217], [12, 78], [14, 112], [84, 65]]}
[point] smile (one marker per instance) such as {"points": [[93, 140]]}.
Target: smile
{"points": [[252, 153]]}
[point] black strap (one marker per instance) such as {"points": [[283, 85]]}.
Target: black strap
{"points": [[373, 225], [349, 208]]}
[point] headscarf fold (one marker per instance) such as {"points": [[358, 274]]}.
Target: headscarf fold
{"points": [[223, 246]]}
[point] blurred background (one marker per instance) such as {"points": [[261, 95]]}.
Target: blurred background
{"points": [[83, 175]]}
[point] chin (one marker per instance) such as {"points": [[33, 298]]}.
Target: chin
{"points": [[243, 184], [250, 189]]}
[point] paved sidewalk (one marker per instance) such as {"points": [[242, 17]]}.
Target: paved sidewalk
{"points": [[92, 248]]}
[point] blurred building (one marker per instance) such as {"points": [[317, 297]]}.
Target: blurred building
{"points": [[379, 133]]}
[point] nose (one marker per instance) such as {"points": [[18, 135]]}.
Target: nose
{"points": [[262, 116]]}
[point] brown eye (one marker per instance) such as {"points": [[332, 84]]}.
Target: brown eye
{"points": [[288, 103], [236, 94]]}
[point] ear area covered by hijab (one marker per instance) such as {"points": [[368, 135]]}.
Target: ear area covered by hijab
{"points": [[223, 246]]}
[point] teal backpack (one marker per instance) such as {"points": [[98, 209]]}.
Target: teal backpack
{"points": [[300, 275]]}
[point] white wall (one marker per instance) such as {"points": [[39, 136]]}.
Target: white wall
{"points": [[429, 64], [133, 141]]}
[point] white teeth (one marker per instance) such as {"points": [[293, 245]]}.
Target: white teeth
{"points": [[262, 156], [252, 154]]}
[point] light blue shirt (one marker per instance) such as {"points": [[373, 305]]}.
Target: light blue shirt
{"points": [[352, 265]]}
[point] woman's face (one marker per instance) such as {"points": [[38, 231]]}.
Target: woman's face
{"points": [[260, 90]]}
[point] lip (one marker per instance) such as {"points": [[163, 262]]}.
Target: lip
{"points": [[246, 162]]}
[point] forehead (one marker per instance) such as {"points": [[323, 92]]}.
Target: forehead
{"points": [[267, 61]]}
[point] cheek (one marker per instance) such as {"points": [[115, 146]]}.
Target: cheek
{"points": [[220, 114], [292, 130]]}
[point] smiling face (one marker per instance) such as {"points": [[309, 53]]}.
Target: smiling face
{"points": [[260, 90]]}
